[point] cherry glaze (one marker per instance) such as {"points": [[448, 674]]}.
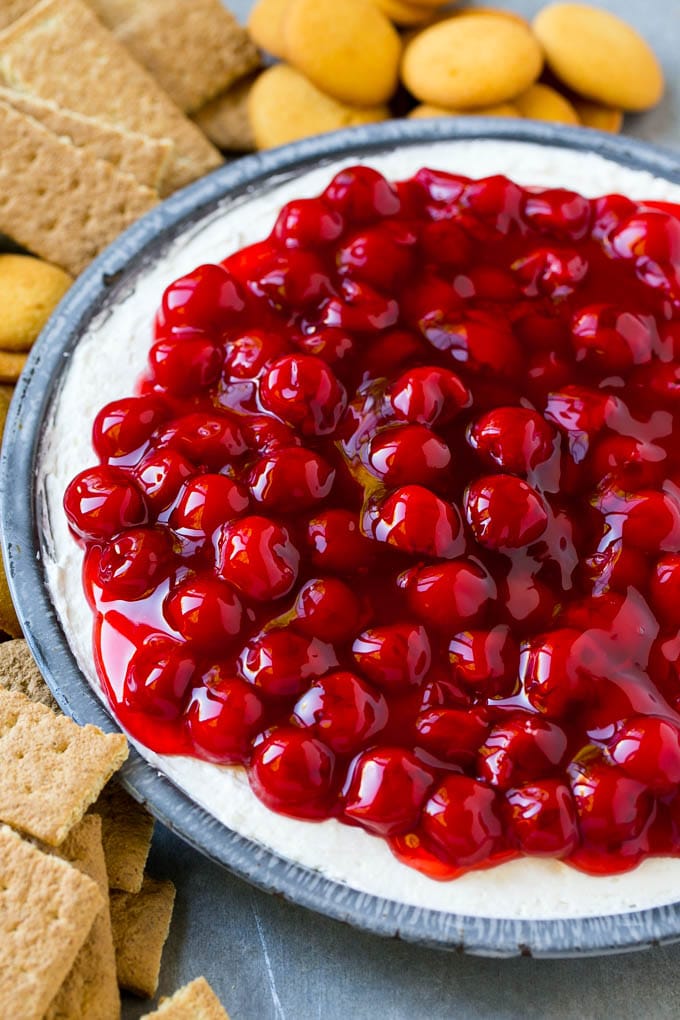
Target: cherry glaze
{"points": [[393, 520]]}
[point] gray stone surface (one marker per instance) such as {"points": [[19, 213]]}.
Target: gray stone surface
{"points": [[269, 960]]}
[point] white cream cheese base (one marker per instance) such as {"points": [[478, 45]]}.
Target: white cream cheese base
{"points": [[109, 358]]}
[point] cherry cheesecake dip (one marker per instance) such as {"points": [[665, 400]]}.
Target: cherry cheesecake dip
{"points": [[365, 521]]}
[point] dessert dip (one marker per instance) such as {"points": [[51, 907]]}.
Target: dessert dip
{"points": [[379, 524]]}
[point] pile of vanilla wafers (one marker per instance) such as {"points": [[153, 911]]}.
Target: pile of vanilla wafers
{"points": [[79, 916]]}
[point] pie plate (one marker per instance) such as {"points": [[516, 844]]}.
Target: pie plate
{"points": [[26, 543]]}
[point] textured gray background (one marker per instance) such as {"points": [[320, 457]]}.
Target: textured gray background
{"points": [[269, 960]]}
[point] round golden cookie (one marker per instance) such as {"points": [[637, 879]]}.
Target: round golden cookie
{"points": [[541, 102], [402, 12], [466, 62], [599, 56], [350, 51], [30, 289], [512, 15], [265, 25], [499, 110], [284, 106], [594, 115]]}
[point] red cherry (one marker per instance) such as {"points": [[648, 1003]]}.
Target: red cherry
{"points": [[290, 479], [101, 501], [256, 556], [504, 512], [529, 605], [494, 200], [394, 656], [452, 596], [307, 223], [293, 773], [441, 188], [486, 662], [630, 463], [608, 212], [556, 670], [186, 363], [382, 256], [210, 441], [334, 346], [647, 748], [461, 821], [328, 609], [283, 663], [647, 235], [579, 412], [665, 588], [291, 279], [612, 808], [558, 212], [542, 819], [158, 677], [616, 569], [264, 434], [360, 308], [416, 521], [526, 747], [446, 243], [406, 454], [649, 521], [451, 735], [133, 564], [206, 502], [303, 391], [222, 719], [342, 710], [611, 338], [429, 396], [386, 791], [479, 342], [336, 543], [550, 272], [161, 474], [204, 610], [122, 426], [209, 298], [249, 353], [517, 439], [362, 195], [390, 352]]}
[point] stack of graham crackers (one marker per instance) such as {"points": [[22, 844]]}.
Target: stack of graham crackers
{"points": [[96, 101], [78, 915]]}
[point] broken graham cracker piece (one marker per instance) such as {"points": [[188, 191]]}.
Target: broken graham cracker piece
{"points": [[46, 912], [37, 57], [127, 828], [225, 119], [19, 672], [215, 50], [144, 158], [141, 922], [196, 1001], [52, 769], [58, 201], [90, 989], [10, 10]]}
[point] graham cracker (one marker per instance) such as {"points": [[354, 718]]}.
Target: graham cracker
{"points": [[10, 10], [127, 828], [140, 923], [225, 119], [115, 12], [46, 912], [144, 158], [52, 769], [215, 50], [196, 1001], [19, 672], [37, 56], [90, 990], [58, 201]]}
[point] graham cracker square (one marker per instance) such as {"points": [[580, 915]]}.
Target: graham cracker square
{"points": [[141, 922], [127, 828], [196, 1001], [90, 990], [47, 909], [52, 769], [19, 672]]}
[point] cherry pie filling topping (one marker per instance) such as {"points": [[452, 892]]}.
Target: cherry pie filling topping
{"points": [[393, 520]]}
